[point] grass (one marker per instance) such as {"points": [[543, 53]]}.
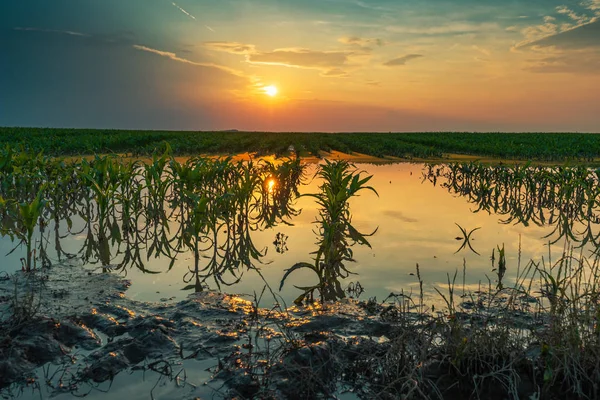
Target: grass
{"points": [[537, 338], [529, 146]]}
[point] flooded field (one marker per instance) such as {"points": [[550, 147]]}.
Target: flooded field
{"points": [[417, 218], [119, 247]]}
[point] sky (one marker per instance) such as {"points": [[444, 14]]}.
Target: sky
{"points": [[337, 65]]}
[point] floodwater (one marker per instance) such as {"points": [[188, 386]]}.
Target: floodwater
{"points": [[416, 222]]}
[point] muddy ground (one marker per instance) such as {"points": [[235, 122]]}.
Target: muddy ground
{"points": [[75, 332]]}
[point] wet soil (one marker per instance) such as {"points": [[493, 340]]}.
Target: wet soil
{"points": [[84, 331]]}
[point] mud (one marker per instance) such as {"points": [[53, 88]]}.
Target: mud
{"points": [[94, 341], [88, 329]]}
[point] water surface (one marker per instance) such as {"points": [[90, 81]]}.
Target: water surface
{"points": [[416, 222]]}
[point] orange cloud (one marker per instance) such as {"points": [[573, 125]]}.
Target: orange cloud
{"points": [[402, 60]]}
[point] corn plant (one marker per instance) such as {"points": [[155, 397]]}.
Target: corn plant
{"points": [[20, 221], [341, 182]]}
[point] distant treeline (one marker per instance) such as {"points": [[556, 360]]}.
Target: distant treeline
{"points": [[525, 146]]}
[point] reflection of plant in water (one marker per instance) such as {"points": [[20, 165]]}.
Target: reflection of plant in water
{"points": [[102, 179], [501, 269], [128, 212], [280, 187], [341, 182], [280, 243], [561, 197], [466, 239], [355, 290], [22, 200], [20, 221], [235, 199]]}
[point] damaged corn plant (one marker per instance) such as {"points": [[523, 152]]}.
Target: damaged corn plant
{"points": [[128, 212], [336, 235]]}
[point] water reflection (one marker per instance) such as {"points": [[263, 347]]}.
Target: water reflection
{"points": [[212, 220], [127, 213], [565, 199]]}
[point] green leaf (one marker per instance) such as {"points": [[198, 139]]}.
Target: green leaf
{"points": [[294, 268]]}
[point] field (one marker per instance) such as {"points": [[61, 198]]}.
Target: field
{"points": [[517, 146], [80, 228]]}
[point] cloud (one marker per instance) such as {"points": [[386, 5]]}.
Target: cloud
{"points": [[573, 50], [335, 72], [402, 60], [362, 42], [593, 5], [119, 38], [301, 58], [572, 14], [481, 50], [580, 37], [183, 11], [63, 32], [580, 62], [328, 62], [231, 47], [174, 57], [457, 28], [363, 4]]}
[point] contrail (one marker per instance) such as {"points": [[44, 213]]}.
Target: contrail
{"points": [[185, 12], [209, 28]]}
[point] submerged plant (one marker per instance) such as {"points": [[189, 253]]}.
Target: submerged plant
{"points": [[19, 220], [341, 182]]}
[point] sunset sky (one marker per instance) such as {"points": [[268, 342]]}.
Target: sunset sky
{"points": [[337, 65]]}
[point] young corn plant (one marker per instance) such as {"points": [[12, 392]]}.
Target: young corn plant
{"points": [[194, 237], [341, 182], [20, 222]]}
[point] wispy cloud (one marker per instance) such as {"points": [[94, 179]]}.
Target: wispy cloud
{"points": [[329, 62], [557, 24], [402, 60], [175, 57], [364, 4], [183, 11], [579, 18], [481, 50], [365, 43], [574, 63], [231, 47], [593, 5], [335, 72], [582, 36], [456, 28], [118, 38], [63, 32]]}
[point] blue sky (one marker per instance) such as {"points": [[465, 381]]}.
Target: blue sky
{"points": [[338, 65]]}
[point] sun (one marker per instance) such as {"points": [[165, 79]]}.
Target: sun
{"points": [[270, 90]]}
